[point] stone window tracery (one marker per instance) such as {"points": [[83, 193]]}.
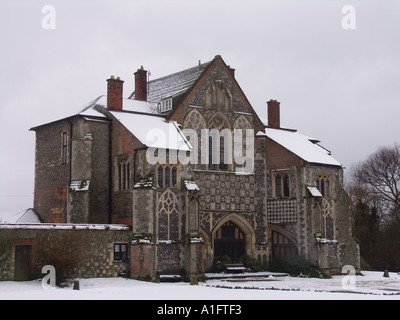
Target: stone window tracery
{"points": [[194, 120], [124, 175], [218, 95], [323, 184], [168, 216], [327, 219]]}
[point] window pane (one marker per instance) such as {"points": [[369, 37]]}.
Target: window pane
{"points": [[120, 177], [322, 187], [174, 178], [278, 186], [124, 176], [160, 176], [64, 148], [327, 188], [286, 192], [166, 176], [117, 252]]}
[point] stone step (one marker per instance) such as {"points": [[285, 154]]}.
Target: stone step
{"points": [[244, 275]]}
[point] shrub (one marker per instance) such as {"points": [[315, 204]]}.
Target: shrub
{"points": [[220, 262], [252, 263], [297, 266]]}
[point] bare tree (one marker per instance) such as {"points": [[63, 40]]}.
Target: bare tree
{"points": [[377, 181]]}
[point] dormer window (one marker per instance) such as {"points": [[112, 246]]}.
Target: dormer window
{"points": [[166, 104]]}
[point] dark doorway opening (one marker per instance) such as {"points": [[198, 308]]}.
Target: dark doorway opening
{"points": [[22, 263], [229, 240]]}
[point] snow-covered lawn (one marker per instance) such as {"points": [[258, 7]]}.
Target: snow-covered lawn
{"points": [[372, 285]]}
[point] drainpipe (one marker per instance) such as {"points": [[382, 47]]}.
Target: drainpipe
{"points": [[110, 180], [70, 167]]}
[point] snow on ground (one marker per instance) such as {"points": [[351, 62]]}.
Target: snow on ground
{"points": [[372, 286]]}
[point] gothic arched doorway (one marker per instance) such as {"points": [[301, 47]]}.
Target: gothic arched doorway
{"points": [[229, 240], [281, 245]]}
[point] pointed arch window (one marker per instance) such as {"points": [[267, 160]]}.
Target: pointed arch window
{"points": [[168, 216], [219, 144], [323, 184], [124, 175]]}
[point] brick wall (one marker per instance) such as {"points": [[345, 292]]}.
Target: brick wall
{"points": [[123, 147], [280, 158]]}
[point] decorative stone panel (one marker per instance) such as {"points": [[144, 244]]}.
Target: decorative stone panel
{"points": [[282, 211]]}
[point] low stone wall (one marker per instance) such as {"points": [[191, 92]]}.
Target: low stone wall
{"points": [[76, 250]]}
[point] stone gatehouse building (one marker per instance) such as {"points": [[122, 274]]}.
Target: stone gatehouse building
{"points": [[165, 166]]}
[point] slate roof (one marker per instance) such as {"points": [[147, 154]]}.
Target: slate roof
{"points": [[173, 84]]}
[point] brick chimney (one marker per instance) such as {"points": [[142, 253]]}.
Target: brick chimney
{"points": [[232, 71], [141, 84], [274, 118], [114, 93]]}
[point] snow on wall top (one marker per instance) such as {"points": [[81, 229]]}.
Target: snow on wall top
{"points": [[301, 145], [65, 226], [153, 131], [173, 84]]}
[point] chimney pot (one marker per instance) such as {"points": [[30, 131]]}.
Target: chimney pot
{"points": [[274, 120], [232, 71], [114, 93], [141, 84]]}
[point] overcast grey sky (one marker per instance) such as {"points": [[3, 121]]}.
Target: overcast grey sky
{"points": [[339, 85]]}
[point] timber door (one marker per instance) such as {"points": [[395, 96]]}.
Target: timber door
{"points": [[230, 241], [22, 263], [281, 245]]}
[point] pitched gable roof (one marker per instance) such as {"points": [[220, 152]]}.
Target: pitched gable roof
{"points": [[304, 147], [153, 131], [208, 68]]}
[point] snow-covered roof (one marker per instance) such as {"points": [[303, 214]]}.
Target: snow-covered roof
{"points": [[314, 191], [96, 107], [173, 84], [153, 131], [26, 216], [301, 145], [191, 185]]}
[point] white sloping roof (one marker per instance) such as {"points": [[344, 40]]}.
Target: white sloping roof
{"points": [[301, 145], [127, 105], [191, 185], [26, 216], [153, 131], [314, 191]]}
